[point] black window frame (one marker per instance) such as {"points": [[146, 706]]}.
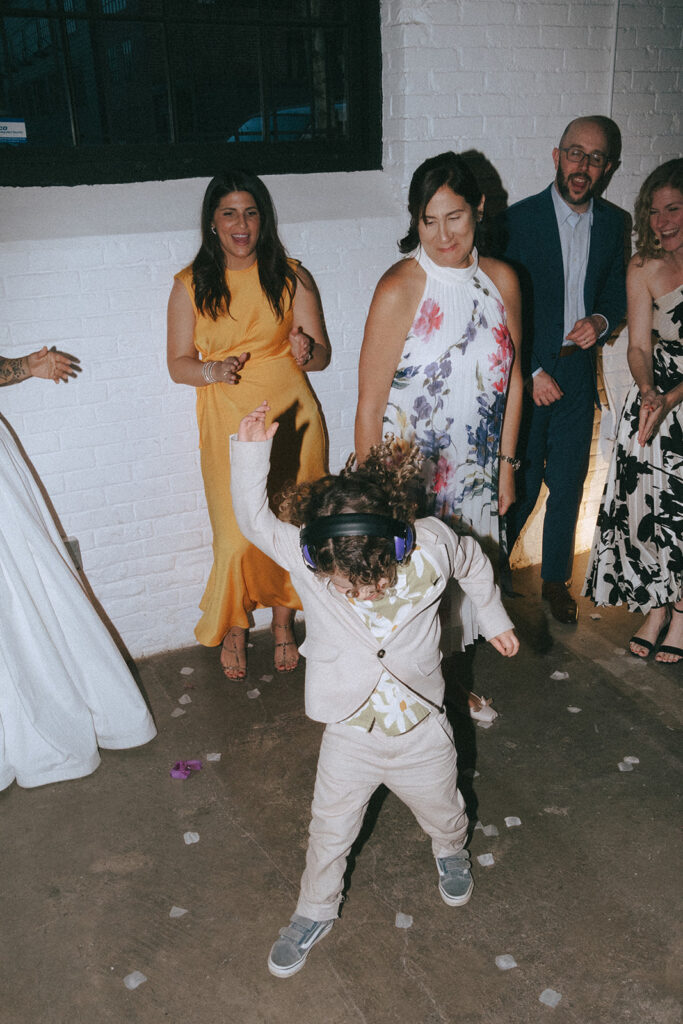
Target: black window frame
{"points": [[24, 164]]}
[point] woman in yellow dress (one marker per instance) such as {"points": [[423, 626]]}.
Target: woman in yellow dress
{"points": [[244, 323]]}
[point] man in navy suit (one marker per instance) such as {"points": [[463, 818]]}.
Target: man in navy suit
{"points": [[568, 247]]}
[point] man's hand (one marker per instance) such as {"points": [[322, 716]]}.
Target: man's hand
{"points": [[53, 365], [544, 389], [586, 332], [253, 426], [506, 643]]}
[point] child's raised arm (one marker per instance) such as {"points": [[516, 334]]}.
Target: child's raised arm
{"points": [[253, 426]]}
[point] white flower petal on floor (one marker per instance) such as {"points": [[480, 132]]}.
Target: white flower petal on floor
{"points": [[134, 979], [549, 997], [505, 962]]}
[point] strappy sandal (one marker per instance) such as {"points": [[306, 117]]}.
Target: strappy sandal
{"points": [[669, 648], [280, 660], [649, 645], [234, 653]]}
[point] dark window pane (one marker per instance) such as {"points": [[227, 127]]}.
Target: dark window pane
{"points": [[314, 9], [30, 5], [33, 80], [216, 81], [119, 82], [232, 12], [131, 8]]}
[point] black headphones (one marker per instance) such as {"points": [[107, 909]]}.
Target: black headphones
{"points": [[355, 524]]}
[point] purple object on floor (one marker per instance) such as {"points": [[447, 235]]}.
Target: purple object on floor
{"points": [[183, 769]]}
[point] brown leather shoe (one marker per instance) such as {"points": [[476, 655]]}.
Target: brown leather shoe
{"points": [[562, 604]]}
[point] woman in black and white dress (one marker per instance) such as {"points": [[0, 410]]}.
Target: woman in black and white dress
{"points": [[637, 553]]}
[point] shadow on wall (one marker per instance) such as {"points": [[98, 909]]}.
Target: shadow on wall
{"points": [[489, 241]]}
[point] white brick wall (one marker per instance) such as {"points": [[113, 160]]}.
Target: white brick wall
{"points": [[89, 269]]}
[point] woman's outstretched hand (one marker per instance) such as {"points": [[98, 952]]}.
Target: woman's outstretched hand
{"points": [[301, 345], [253, 426], [53, 365]]}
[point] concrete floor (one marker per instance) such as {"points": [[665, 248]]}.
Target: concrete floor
{"points": [[585, 894]]}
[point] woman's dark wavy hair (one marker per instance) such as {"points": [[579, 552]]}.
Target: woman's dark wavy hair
{"points": [[278, 280], [668, 174], [444, 169], [388, 483]]}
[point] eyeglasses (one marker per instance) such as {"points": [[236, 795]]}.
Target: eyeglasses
{"points": [[577, 156]]}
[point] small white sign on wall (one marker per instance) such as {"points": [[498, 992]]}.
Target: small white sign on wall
{"points": [[12, 129]]}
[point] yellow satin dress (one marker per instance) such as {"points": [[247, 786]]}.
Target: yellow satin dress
{"points": [[242, 577]]}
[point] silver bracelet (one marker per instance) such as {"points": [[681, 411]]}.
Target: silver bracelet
{"points": [[207, 371], [515, 463]]}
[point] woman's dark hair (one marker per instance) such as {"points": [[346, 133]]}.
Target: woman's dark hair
{"points": [[445, 169], [668, 174], [388, 483], [211, 292]]}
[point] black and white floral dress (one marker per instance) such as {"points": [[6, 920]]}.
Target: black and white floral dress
{"points": [[637, 553]]}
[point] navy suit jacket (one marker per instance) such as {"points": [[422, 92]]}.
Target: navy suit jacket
{"points": [[533, 247]]}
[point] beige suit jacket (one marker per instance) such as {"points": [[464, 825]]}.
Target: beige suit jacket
{"points": [[344, 661]]}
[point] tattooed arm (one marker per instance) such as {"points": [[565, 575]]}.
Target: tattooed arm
{"points": [[51, 365]]}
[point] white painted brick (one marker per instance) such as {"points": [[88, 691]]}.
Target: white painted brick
{"points": [[47, 330], [30, 286], [549, 13]]}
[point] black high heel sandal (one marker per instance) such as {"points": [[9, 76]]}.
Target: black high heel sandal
{"points": [[669, 648]]}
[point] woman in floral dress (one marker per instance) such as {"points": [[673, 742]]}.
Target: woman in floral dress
{"points": [[637, 553], [438, 364]]}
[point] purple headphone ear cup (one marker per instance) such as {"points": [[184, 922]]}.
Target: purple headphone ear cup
{"points": [[404, 545], [309, 557]]}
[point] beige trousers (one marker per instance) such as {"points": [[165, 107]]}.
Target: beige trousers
{"points": [[419, 767]]}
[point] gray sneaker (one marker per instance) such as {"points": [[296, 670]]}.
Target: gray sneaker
{"points": [[289, 952], [455, 880]]}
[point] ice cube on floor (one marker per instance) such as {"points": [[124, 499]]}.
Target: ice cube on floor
{"points": [[253, 694], [403, 920], [549, 997], [185, 699], [177, 713], [187, 671], [490, 830], [266, 679], [619, 650], [572, 710], [177, 912], [557, 675], [213, 757], [632, 760], [134, 979], [191, 837], [596, 616], [512, 821], [506, 962], [486, 859], [624, 766]]}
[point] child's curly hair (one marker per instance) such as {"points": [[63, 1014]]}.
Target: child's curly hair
{"points": [[388, 483]]}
